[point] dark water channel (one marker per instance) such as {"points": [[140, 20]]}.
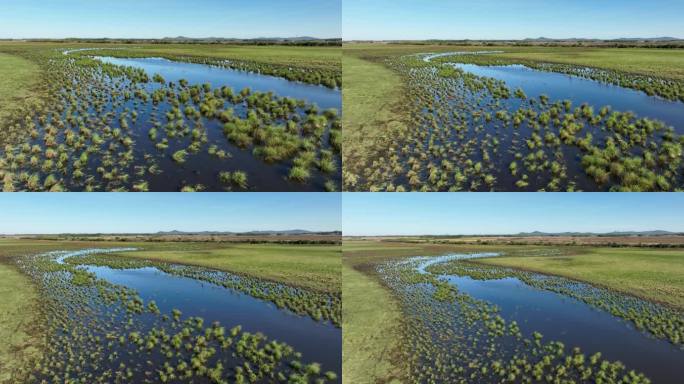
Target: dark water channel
{"points": [[560, 86], [573, 322], [218, 77], [317, 341]]}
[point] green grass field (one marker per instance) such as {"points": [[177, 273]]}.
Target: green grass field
{"points": [[17, 315], [371, 101], [653, 274], [371, 319], [18, 78], [371, 337], [272, 54], [310, 266], [292, 62], [668, 63]]}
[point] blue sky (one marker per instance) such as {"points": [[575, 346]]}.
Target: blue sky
{"points": [[506, 213], [169, 18], [510, 19], [151, 212]]}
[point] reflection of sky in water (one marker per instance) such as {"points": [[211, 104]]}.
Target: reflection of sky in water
{"points": [[316, 341], [219, 77], [576, 324], [559, 86]]}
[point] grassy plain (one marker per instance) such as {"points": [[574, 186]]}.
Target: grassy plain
{"points": [[371, 101], [271, 54], [371, 319], [268, 54], [668, 63], [309, 266], [371, 337], [18, 78], [653, 274], [17, 314]]}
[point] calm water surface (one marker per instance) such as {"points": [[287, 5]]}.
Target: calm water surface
{"points": [[218, 77], [317, 341], [576, 324], [560, 86]]}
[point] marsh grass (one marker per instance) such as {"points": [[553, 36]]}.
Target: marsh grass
{"points": [[87, 136], [472, 133]]}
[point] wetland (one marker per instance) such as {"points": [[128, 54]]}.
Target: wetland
{"points": [[465, 318], [149, 123], [111, 318], [495, 120]]}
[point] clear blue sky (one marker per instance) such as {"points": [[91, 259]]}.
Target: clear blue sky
{"points": [[169, 18], [507, 213], [151, 212], [510, 19]]}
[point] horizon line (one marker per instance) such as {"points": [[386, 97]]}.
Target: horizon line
{"points": [[172, 38], [664, 38], [170, 231]]}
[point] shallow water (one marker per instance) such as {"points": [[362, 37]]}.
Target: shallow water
{"points": [[317, 341], [576, 324], [560, 86], [201, 168], [217, 76]]}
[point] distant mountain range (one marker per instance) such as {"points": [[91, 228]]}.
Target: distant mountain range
{"points": [[289, 232], [664, 38], [606, 234], [295, 38]]}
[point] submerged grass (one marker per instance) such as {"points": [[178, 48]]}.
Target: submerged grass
{"points": [[112, 128], [449, 336], [467, 132], [127, 339]]}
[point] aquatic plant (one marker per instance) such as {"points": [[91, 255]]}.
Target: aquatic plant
{"points": [[87, 133], [449, 336], [99, 332], [468, 132]]}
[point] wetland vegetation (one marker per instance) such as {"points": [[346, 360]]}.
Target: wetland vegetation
{"points": [[465, 123], [464, 318], [268, 121], [106, 317]]}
